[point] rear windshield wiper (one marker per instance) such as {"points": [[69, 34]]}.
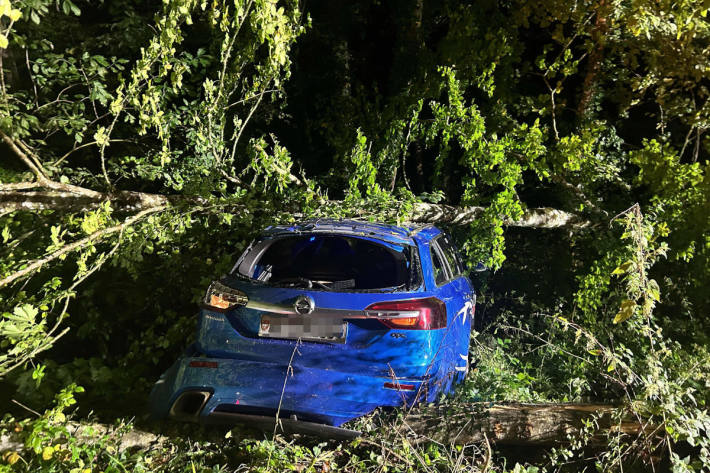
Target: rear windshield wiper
{"points": [[309, 283], [292, 281]]}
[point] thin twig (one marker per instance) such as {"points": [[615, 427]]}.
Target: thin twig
{"points": [[75, 148], [553, 107], [244, 124], [59, 96], [29, 409], [29, 71], [2, 83], [685, 143], [489, 453], [289, 372], [88, 86], [252, 97], [364, 441]]}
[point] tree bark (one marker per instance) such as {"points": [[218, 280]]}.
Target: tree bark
{"points": [[538, 425], [124, 201], [543, 217], [89, 433]]}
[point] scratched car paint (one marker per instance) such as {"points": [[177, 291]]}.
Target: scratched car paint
{"points": [[322, 322]]}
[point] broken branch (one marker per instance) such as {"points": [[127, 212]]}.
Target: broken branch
{"points": [[36, 264]]}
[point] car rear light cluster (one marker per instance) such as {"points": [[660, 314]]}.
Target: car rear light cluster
{"points": [[399, 386], [414, 314], [223, 297], [203, 364]]}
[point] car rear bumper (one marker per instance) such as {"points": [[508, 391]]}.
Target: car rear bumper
{"points": [[288, 426], [219, 389]]}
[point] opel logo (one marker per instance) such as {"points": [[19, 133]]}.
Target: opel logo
{"points": [[304, 305]]}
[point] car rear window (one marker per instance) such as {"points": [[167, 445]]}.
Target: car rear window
{"points": [[448, 251], [438, 265], [331, 262]]}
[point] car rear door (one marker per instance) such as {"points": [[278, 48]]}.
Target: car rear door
{"points": [[453, 287]]}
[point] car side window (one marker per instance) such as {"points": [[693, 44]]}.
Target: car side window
{"points": [[438, 265], [448, 251]]}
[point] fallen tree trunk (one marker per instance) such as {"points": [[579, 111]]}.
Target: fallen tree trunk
{"points": [[542, 217], [538, 425], [69, 200], [89, 433], [534, 425], [13, 198]]}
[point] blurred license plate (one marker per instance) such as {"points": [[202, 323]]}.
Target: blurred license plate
{"points": [[325, 329]]}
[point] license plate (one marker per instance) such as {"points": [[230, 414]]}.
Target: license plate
{"points": [[323, 329]]}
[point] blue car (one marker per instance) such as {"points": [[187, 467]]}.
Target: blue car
{"points": [[322, 322]]}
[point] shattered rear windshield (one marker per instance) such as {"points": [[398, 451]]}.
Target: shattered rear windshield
{"points": [[331, 262]]}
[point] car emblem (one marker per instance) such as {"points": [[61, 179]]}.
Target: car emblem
{"points": [[304, 305], [265, 325]]}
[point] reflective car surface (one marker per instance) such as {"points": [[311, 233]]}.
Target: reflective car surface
{"points": [[322, 322]]}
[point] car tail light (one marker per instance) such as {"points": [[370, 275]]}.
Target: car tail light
{"points": [[203, 364], [399, 386], [223, 297], [415, 314]]}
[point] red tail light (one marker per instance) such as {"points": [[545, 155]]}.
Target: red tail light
{"points": [[415, 314], [399, 387], [203, 364]]}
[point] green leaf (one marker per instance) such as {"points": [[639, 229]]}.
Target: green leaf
{"points": [[622, 268], [15, 14], [653, 290], [38, 374], [625, 311], [25, 313]]}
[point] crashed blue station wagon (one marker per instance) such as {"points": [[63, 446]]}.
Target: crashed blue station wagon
{"points": [[322, 322]]}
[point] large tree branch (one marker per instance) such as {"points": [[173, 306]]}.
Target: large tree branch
{"points": [[23, 152], [543, 217], [12, 199], [97, 235]]}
